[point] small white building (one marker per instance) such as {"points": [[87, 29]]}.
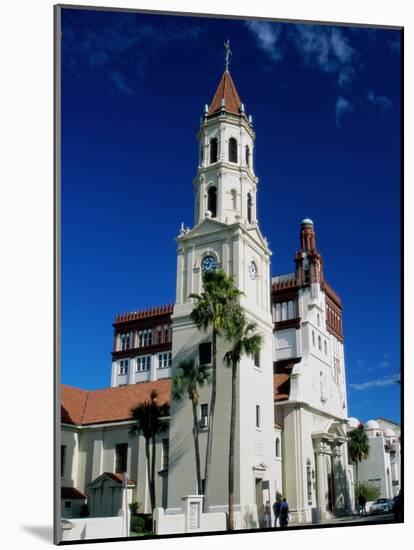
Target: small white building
{"points": [[382, 468]]}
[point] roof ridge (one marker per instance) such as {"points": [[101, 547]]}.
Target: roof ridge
{"points": [[85, 405]]}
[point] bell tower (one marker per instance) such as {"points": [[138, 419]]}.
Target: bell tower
{"points": [[226, 236], [225, 184]]}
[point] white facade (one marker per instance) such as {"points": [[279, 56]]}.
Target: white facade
{"points": [[382, 468], [226, 229]]}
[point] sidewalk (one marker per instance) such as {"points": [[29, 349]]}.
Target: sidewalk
{"points": [[373, 518]]}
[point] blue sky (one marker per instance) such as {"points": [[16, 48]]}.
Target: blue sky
{"points": [[325, 101]]}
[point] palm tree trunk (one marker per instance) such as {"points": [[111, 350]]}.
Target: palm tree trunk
{"points": [[152, 486], [231, 443], [147, 455], [196, 445], [210, 423]]}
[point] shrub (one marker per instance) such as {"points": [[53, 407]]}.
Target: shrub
{"points": [[368, 490], [134, 507], [137, 524]]}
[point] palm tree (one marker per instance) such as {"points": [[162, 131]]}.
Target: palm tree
{"points": [[211, 309], [358, 447], [245, 341], [150, 421], [190, 380]]}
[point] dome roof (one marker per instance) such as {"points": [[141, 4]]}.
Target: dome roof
{"points": [[372, 425], [307, 221], [353, 422], [389, 433]]}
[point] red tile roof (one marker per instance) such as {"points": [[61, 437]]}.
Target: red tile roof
{"points": [[82, 407], [281, 386], [227, 90], [71, 492], [72, 404], [115, 477], [145, 313]]}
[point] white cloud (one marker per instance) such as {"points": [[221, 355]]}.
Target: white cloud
{"points": [[267, 35], [326, 47], [379, 383], [380, 101], [342, 106]]}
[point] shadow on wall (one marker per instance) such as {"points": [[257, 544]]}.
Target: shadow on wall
{"points": [[249, 520], [342, 491]]}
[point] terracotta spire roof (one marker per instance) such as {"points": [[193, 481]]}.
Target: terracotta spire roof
{"points": [[226, 90]]}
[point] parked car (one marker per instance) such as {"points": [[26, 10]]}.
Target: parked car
{"points": [[381, 505]]}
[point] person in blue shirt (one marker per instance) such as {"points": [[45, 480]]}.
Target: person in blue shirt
{"points": [[284, 514]]}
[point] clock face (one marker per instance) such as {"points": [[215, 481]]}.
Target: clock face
{"points": [[253, 270], [208, 264]]}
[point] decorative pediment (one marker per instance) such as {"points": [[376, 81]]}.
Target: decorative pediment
{"points": [[112, 479], [208, 225], [261, 467]]}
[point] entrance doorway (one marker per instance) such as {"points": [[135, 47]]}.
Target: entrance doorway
{"points": [[259, 501]]}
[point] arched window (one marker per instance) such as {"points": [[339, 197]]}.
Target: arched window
{"points": [[319, 343], [326, 348], [212, 201], [277, 447], [249, 208], [313, 337], [318, 318], [232, 150], [213, 150], [233, 199], [201, 154], [247, 155]]}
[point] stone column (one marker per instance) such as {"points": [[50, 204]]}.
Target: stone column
{"points": [[320, 478]]}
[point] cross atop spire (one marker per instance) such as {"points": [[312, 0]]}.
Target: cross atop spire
{"points": [[228, 54]]}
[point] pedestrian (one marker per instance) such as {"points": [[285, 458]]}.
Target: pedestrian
{"points": [[364, 502], [267, 515], [284, 514], [362, 505], [276, 510]]}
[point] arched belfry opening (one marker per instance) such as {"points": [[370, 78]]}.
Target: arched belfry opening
{"points": [[212, 201], [247, 155], [232, 150], [213, 150], [249, 207]]}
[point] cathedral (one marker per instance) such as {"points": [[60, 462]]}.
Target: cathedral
{"points": [[291, 427]]}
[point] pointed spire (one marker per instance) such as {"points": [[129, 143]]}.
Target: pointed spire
{"points": [[226, 93]]}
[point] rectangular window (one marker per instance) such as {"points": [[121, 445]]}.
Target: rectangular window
{"points": [[62, 460], [257, 359], [68, 504], [121, 453], [165, 449], [164, 360], [125, 341], [257, 416], [143, 363], [158, 337], [123, 366], [140, 338], [204, 353]]}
